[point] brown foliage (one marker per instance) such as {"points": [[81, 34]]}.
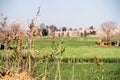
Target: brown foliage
{"points": [[16, 76], [108, 28], [33, 29], [96, 60]]}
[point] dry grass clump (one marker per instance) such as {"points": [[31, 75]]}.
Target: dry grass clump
{"points": [[13, 38], [16, 76], [96, 60], [17, 62]]}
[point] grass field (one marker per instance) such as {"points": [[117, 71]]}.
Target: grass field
{"points": [[82, 48], [84, 72], [78, 59], [90, 72]]}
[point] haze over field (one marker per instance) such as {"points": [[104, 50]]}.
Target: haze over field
{"points": [[69, 13]]}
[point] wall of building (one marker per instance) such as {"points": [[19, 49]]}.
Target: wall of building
{"points": [[73, 33]]}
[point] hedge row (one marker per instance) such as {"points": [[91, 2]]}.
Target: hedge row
{"points": [[90, 60], [79, 60], [84, 60]]}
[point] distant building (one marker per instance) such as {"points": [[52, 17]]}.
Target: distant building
{"points": [[76, 33]]}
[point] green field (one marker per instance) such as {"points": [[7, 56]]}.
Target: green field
{"points": [[82, 48], [107, 71], [78, 59]]}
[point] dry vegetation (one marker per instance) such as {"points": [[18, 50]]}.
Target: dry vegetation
{"points": [[12, 37], [19, 53]]}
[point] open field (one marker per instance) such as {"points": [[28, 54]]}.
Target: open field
{"points": [[78, 60], [79, 48], [83, 48], [82, 51], [106, 71], [59, 40]]}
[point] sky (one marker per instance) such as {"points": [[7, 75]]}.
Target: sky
{"points": [[68, 13]]}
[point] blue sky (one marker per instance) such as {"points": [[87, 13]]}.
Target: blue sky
{"points": [[69, 13]]}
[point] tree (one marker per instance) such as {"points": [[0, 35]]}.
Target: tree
{"points": [[40, 29], [75, 29], [92, 32], [47, 26], [91, 27], [108, 28], [80, 28], [64, 28], [42, 26], [70, 29], [116, 32], [52, 29], [85, 33], [44, 32]]}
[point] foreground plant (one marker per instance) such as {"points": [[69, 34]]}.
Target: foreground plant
{"points": [[16, 60]]}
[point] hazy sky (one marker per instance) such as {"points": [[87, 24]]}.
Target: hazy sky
{"points": [[69, 13]]}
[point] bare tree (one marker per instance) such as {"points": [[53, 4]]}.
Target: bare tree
{"points": [[40, 29], [52, 28], [116, 32], [108, 28], [42, 26]]}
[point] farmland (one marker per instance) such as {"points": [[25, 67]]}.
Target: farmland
{"points": [[59, 40], [82, 48], [77, 61], [87, 72]]}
